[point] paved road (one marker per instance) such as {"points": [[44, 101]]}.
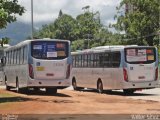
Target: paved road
{"points": [[150, 94]]}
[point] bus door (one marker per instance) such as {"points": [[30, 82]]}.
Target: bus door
{"points": [[140, 64], [50, 60]]}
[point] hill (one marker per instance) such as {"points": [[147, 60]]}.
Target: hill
{"points": [[17, 32]]}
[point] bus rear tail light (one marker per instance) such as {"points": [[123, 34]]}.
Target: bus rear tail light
{"points": [[125, 74], [31, 73], [68, 71], [156, 74]]}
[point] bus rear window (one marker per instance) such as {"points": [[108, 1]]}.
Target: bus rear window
{"points": [[49, 49], [140, 55]]}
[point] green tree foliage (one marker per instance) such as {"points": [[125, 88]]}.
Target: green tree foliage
{"points": [[84, 32], [4, 40], [47, 31], [88, 25], [8, 11], [64, 27], [77, 45], [141, 22]]}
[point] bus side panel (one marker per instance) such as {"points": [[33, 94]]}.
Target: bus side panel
{"points": [[23, 75], [116, 78], [10, 74], [88, 77]]}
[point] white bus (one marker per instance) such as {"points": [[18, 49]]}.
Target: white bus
{"points": [[1, 65], [40, 63], [129, 68]]}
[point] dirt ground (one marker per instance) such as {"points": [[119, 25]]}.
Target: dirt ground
{"points": [[74, 102]]}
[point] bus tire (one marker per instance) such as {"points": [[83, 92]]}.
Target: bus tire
{"points": [[128, 91], [18, 90], [51, 90], [100, 86], [74, 84], [7, 87]]}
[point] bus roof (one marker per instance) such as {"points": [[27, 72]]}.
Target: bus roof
{"points": [[28, 41], [112, 47], [106, 48]]}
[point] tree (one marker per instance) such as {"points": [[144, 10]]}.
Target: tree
{"points": [[8, 11], [88, 24], [60, 13], [65, 26], [140, 22], [85, 31], [47, 31], [4, 41], [77, 45]]}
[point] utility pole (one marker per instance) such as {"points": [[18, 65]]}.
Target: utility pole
{"points": [[32, 19]]}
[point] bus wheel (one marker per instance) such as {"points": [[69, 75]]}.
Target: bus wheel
{"points": [[17, 87], [74, 84], [128, 91], [51, 90], [100, 86]]}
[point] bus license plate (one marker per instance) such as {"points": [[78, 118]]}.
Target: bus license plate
{"points": [[40, 68]]}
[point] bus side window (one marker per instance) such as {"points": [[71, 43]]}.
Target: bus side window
{"points": [[7, 57], [91, 60], [101, 60], [97, 60], [106, 60], [21, 55], [76, 61], [16, 56], [94, 59], [116, 58], [79, 61], [10, 58], [25, 54], [82, 61], [85, 60], [73, 61], [13, 61]]}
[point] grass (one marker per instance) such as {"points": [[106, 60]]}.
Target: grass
{"points": [[4, 95]]}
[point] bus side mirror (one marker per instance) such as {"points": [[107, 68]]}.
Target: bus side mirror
{"points": [[3, 61]]}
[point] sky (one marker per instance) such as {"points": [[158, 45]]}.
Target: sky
{"points": [[48, 10]]}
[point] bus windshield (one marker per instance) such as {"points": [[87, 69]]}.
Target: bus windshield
{"points": [[51, 50], [140, 55]]}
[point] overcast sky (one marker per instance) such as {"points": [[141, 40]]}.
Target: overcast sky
{"points": [[47, 10]]}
